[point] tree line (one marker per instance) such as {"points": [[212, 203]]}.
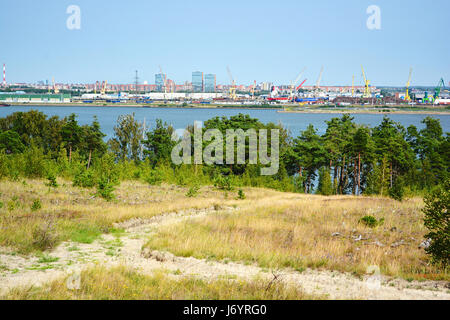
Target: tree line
{"points": [[349, 158]]}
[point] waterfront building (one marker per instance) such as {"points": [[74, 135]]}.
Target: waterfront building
{"points": [[197, 81]]}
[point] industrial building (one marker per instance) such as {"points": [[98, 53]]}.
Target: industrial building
{"points": [[35, 98]]}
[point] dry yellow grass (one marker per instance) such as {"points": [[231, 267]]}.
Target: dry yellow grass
{"points": [[73, 213], [125, 284], [271, 228], [299, 231]]}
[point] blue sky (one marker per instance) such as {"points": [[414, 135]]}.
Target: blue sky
{"points": [[260, 40]]}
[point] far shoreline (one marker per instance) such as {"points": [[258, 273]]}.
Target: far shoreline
{"points": [[317, 110]]}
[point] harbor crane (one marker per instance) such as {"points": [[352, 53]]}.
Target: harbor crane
{"points": [[407, 97], [294, 83], [437, 90], [104, 84], [317, 89], [55, 89], [367, 93], [232, 92], [301, 85], [319, 79]]}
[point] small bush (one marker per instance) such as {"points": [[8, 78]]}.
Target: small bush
{"points": [[51, 180], [223, 183], [1, 204], [44, 236], [437, 220], [193, 191], [84, 179], [105, 189], [371, 221], [36, 205], [13, 204], [154, 178], [241, 194], [397, 191]]}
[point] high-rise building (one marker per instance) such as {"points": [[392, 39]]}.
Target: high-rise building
{"points": [[160, 79], [266, 86], [197, 81], [210, 83]]}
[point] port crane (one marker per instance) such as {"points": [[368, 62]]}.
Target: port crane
{"points": [[294, 83], [301, 85], [407, 97], [104, 84], [367, 93], [319, 79], [437, 90], [232, 92], [55, 89]]}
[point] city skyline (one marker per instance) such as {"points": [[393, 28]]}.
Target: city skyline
{"points": [[259, 40]]}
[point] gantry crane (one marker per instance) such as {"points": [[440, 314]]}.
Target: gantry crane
{"points": [[407, 97], [367, 93], [232, 92]]}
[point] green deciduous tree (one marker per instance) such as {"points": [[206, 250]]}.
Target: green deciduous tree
{"points": [[128, 137]]}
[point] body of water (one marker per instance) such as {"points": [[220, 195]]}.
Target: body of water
{"points": [[182, 117]]}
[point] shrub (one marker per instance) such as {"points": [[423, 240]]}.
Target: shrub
{"points": [[154, 178], [105, 189], [44, 236], [241, 194], [437, 218], [51, 180], [84, 179], [397, 191], [223, 183], [371, 221], [36, 205], [192, 192]]}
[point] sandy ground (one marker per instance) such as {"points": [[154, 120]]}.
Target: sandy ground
{"points": [[127, 250]]}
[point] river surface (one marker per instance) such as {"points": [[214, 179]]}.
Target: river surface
{"points": [[182, 117]]}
